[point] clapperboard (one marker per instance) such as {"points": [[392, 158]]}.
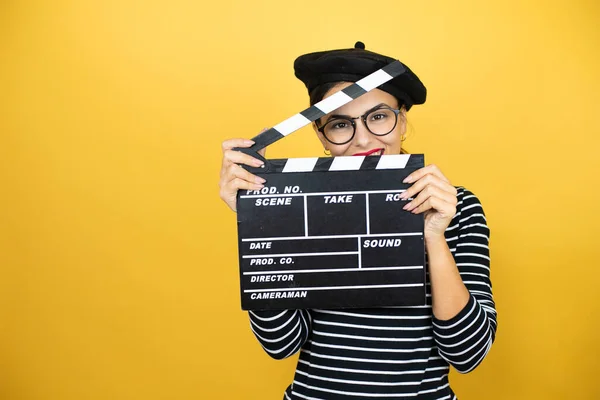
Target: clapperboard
{"points": [[330, 232]]}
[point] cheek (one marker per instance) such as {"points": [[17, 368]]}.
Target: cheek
{"points": [[339, 150], [392, 140]]}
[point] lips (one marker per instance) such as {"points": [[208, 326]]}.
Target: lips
{"points": [[378, 152]]}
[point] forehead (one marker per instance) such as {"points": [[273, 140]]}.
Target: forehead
{"points": [[364, 102]]}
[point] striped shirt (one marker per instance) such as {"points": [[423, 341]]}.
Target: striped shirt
{"points": [[391, 352]]}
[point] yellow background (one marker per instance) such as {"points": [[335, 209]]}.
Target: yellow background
{"points": [[118, 260]]}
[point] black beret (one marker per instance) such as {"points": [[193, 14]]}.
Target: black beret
{"points": [[351, 65]]}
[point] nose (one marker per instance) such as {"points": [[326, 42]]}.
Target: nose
{"points": [[362, 136]]}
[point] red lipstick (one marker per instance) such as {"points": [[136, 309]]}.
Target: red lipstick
{"points": [[368, 153]]}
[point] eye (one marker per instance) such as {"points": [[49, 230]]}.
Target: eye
{"points": [[338, 124], [378, 115]]}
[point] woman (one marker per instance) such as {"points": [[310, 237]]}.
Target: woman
{"points": [[392, 352]]}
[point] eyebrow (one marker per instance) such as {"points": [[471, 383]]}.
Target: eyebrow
{"points": [[337, 116]]}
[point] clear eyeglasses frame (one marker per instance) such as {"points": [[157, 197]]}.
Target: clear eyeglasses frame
{"points": [[380, 121]]}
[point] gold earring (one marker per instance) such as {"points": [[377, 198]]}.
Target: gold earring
{"points": [[327, 152]]}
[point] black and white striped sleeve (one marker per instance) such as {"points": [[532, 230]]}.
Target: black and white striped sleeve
{"points": [[464, 340], [281, 333]]}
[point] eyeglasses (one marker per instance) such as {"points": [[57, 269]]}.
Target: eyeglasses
{"points": [[340, 129]]}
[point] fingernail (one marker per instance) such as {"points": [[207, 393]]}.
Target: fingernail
{"points": [[403, 195], [258, 179], [408, 179], [406, 206], [249, 142], [258, 186], [258, 163]]}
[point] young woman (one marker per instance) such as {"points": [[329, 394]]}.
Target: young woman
{"points": [[391, 352]]}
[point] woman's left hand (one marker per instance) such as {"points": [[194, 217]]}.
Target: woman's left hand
{"points": [[433, 195]]}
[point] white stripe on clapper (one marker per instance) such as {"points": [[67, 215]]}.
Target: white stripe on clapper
{"points": [[292, 124], [375, 79], [349, 163], [300, 164], [393, 161], [333, 102]]}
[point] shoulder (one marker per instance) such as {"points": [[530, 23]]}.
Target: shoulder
{"points": [[467, 200], [469, 212]]}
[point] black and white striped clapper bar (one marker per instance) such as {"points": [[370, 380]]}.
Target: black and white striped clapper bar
{"points": [[330, 232]]}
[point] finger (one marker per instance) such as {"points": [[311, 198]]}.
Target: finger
{"points": [[425, 181], [427, 193], [428, 180], [237, 157], [233, 186], [421, 172], [431, 192], [227, 146], [235, 171], [231, 143], [446, 210]]}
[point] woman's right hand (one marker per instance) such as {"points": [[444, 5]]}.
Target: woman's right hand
{"points": [[233, 176]]}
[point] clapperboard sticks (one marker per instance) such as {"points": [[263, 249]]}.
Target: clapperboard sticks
{"points": [[322, 108], [319, 235]]}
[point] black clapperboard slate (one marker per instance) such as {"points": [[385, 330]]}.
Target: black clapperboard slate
{"points": [[331, 238], [330, 232]]}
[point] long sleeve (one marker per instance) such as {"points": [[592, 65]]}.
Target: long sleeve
{"points": [[281, 333], [465, 340]]}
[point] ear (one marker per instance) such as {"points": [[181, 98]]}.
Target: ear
{"points": [[402, 121]]}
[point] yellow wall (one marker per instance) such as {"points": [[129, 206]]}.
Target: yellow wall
{"points": [[118, 260]]}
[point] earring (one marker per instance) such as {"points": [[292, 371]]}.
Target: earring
{"points": [[327, 152], [402, 138]]}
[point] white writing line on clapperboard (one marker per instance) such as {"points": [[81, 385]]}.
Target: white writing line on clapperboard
{"points": [[339, 253], [360, 254], [331, 236], [399, 285], [367, 213], [264, 294], [305, 216], [258, 194], [300, 271]]}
